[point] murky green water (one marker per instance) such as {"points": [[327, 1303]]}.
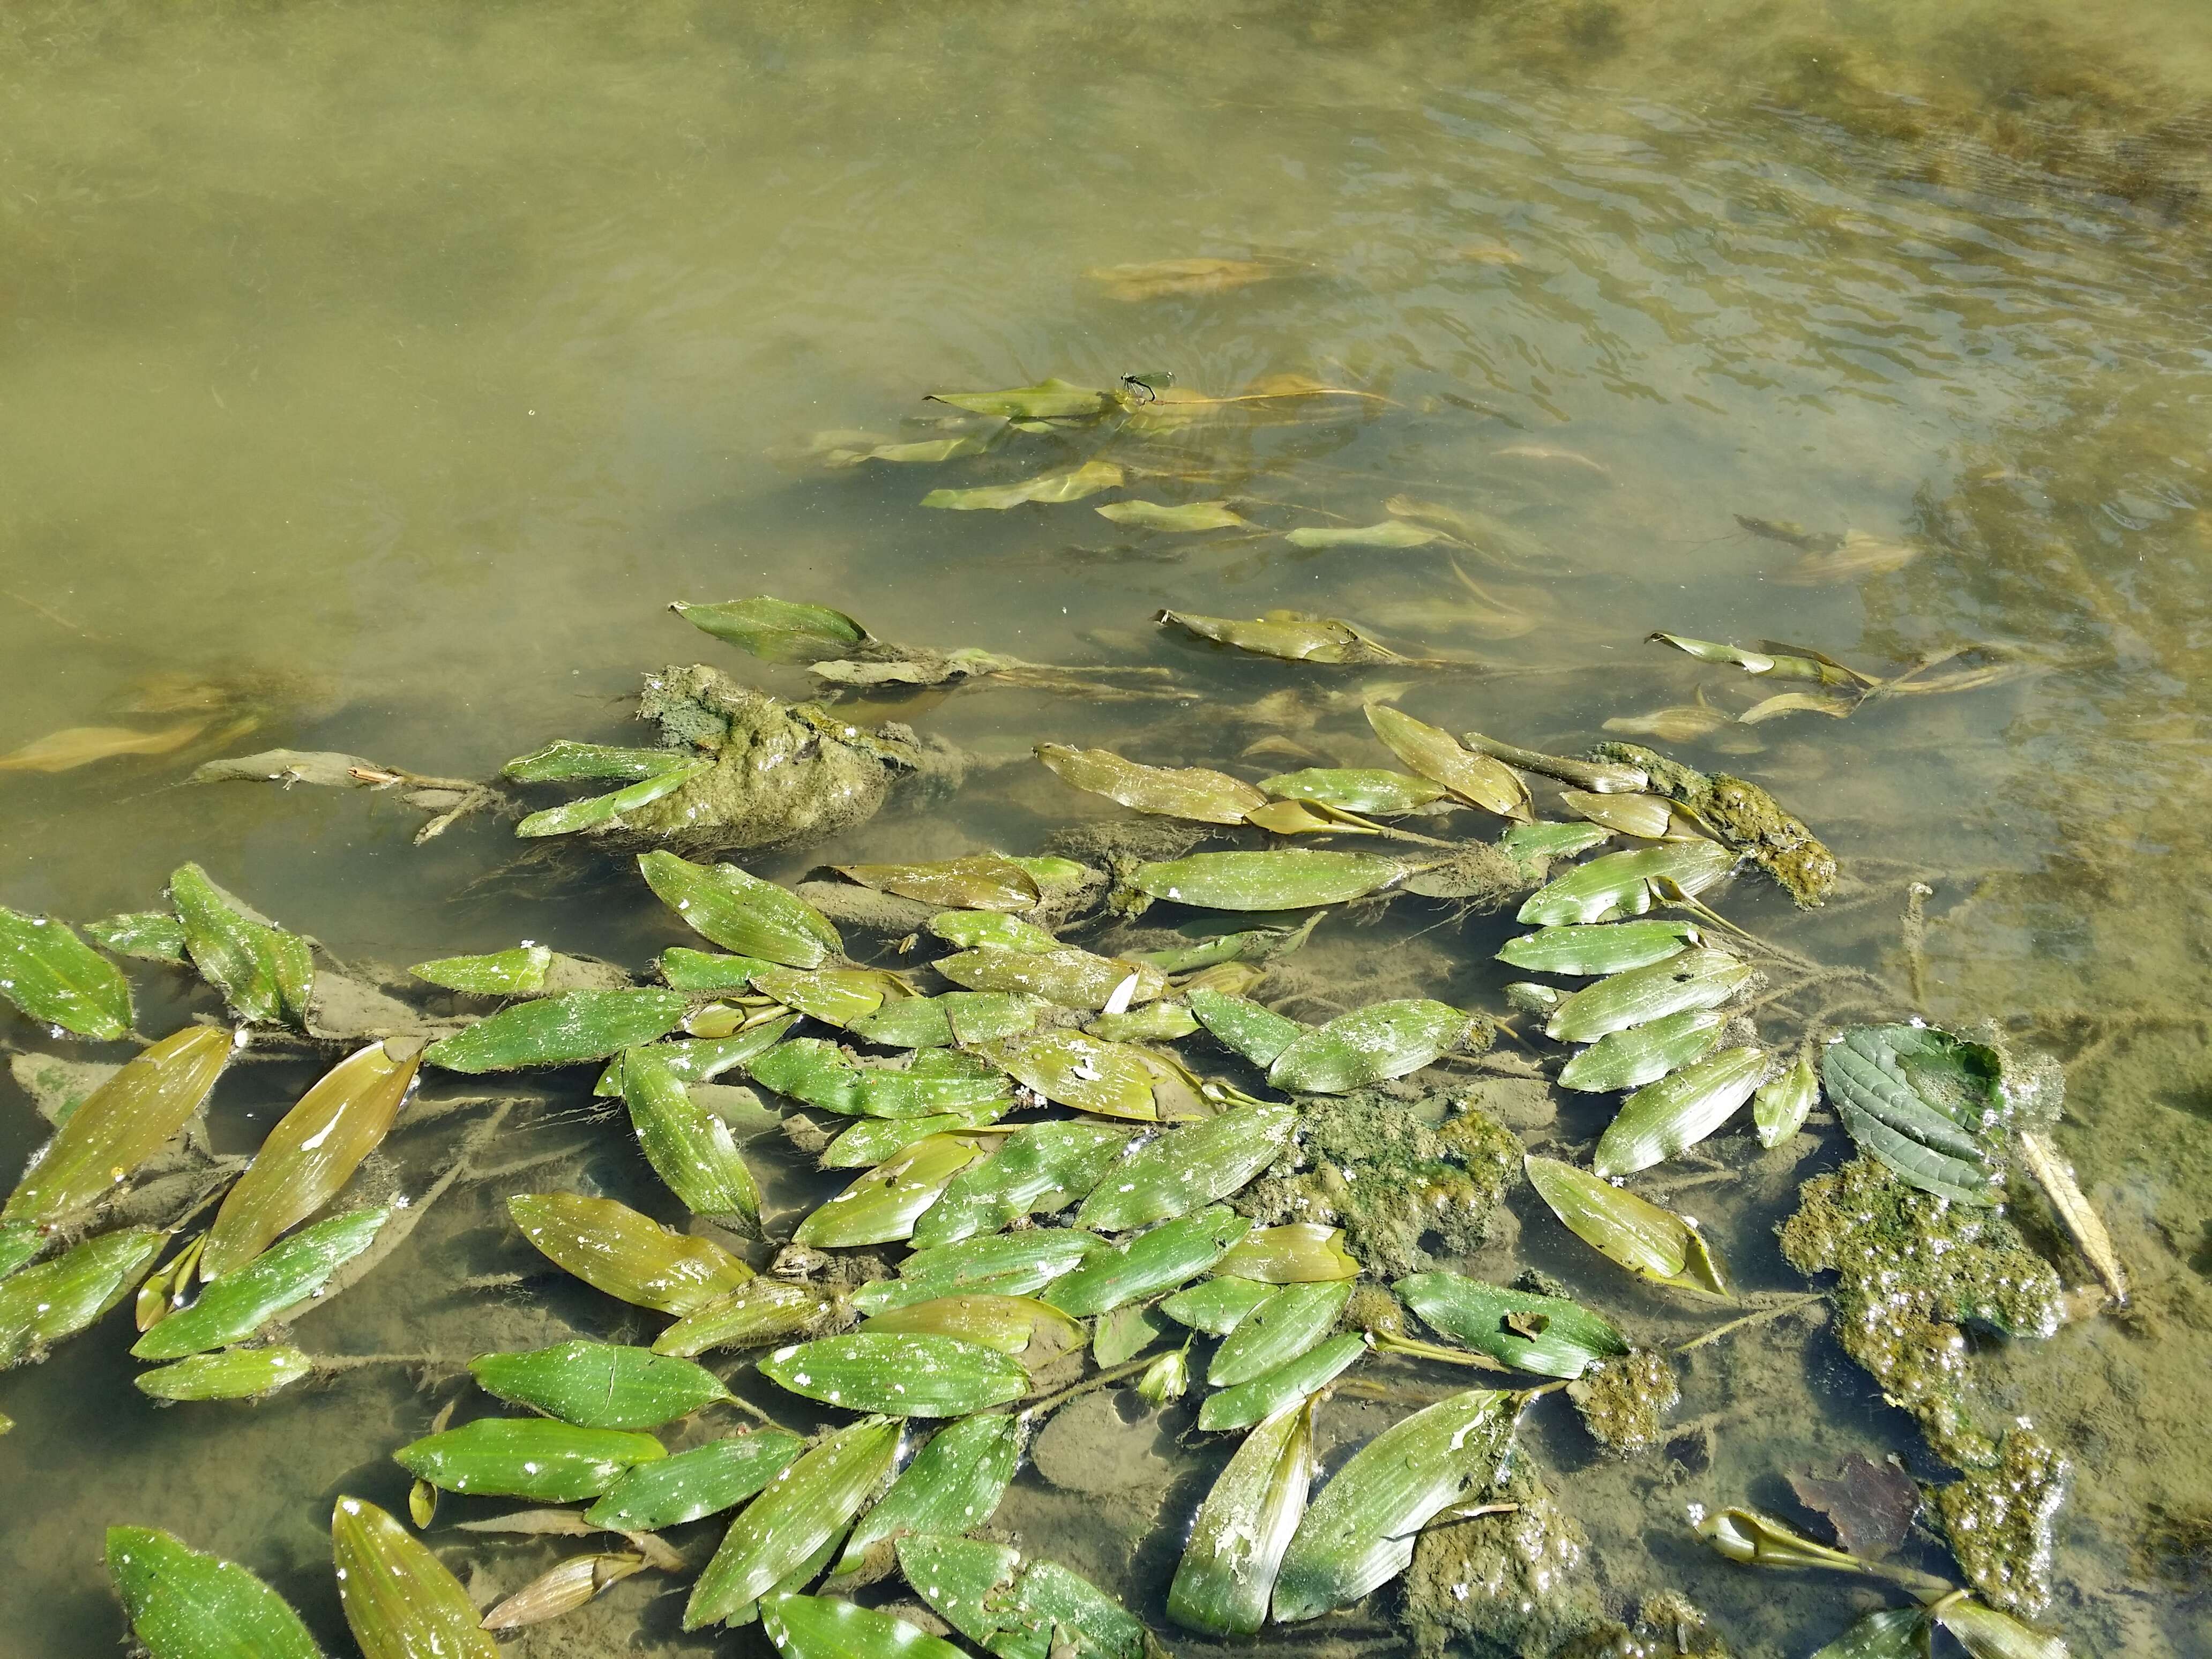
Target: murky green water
{"points": [[400, 364]]}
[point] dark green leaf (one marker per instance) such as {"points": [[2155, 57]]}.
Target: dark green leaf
{"points": [[778, 630], [882, 1205], [825, 1628], [599, 1385], [56, 979], [244, 1299], [899, 1374], [264, 973], [1664, 1118], [741, 913], [688, 1147], [40, 1305], [184, 1605], [234, 1374], [562, 1031], [1158, 1261], [1546, 1335], [399, 1600], [149, 935], [1218, 1305], [953, 1484], [691, 1484], [1035, 1171], [1259, 1034], [1189, 1167], [535, 1457], [1921, 1100], [1274, 1391]]}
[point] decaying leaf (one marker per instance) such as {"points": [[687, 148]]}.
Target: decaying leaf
{"points": [[1180, 792], [1439, 756], [1190, 516], [1654, 1243], [1291, 635], [1870, 1505], [80, 746], [399, 1600], [1073, 484]]}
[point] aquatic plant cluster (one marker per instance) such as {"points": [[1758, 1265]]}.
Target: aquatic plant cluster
{"points": [[1117, 1163]]}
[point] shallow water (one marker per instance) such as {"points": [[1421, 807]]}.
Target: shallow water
{"points": [[400, 364]]}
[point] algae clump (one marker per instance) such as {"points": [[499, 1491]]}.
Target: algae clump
{"points": [[1621, 1401], [1740, 815], [1507, 1581], [1392, 1177]]}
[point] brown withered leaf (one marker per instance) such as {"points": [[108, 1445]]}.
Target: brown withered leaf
{"points": [[80, 746], [1869, 1505]]}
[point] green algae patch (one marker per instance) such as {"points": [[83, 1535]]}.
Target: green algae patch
{"points": [[1911, 1269], [1510, 1580], [1740, 815], [1622, 1399], [1401, 1186]]}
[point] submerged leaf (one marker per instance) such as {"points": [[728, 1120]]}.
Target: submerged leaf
{"points": [[1287, 636], [80, 746], [265, 973], [56, 979], [1168, 1256], [566, 762], [1391, 532], [953, 1484], [1782, 1104], [282, 1277], [1035, 1171], [1368, 1045], [1047, 400], [1170, 791], [596, 810], [1259, 1034], [803, 1509], [882, 1205], [1359, 1533], [778, 630], [184, 1605], [1191, 516], [1217, 1305], [1227, 1573], [1294, 879], [982, 881], [149, 935], [1870, 1505], [759, 1311], [1654, 1243], [312, 1152], [688, 1147], [1469, 775], [1292, 1253], [741, 913], [599, 1385], [1700, 978], [517, 973], [1072, 484], [1070, 1068], [825, 1628], [399, 1600], [1890, 1633], [121, 1124], [612, 1247], [562, 1587], [1643, 1054], [562, 1031], [901, 1374]]}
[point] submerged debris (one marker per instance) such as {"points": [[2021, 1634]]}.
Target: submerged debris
{"points": [[1509, 1576], [1743, 816], [1997, 1521]]}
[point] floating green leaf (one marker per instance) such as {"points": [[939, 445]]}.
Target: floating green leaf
{"points": [[312, 1152], [1036, 1332], [184, 1605], [982, 881], [399, 1600], [685, 969], [1259, 1034], [1288, 1323], [1291, 879], [1643, 1054], [953, 1484], [264, 973], [1072, 1069], [1063, 976], [1292, 1253], [1359, 1533], [563, 761], [149, 935], [1664, 1118], [1368, 1045], [803, 1509], [1048, 400], [882, 1205], [758, 1312], [234, 1374], [688, 1147], [599, 1385], [1160, 1021], [1355, 789], [1548, 1335], [519, 972], [121, 1124], [595, 811], [612, 1247], [535, 1457], [836, 996], [984, 1591], [1621, 883], [1654, 1243], [1700, 978], [56, 979], [1288, 635], [40, 1305], [1227, 1573], [1035, 1171], [1440, 757], [1069, 484], [1889, 1633], [741, 913], [691, 1484], [1781, 1106], [562, 1031], [1552, 841], [1217, 1305], [826, 1627], [1921, 1100], [1189, 1167], [1009, 1264], [1167, 1256], [1392, 532], [1188, 792], [244, 1299], [873, 1140], [1274, 1391], [969, 928], [778, 630], [1606, 948], [898, 1373]]}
